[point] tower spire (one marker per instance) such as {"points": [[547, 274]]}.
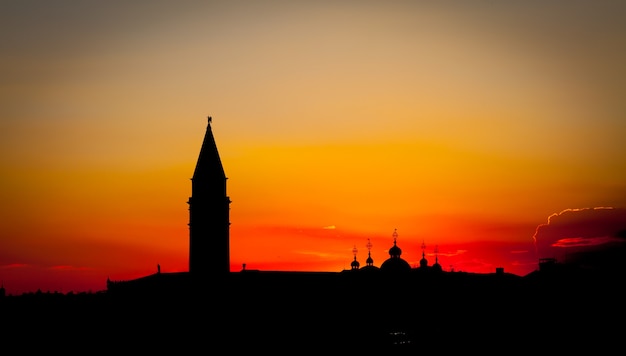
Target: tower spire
{"points": [[209, 208]]}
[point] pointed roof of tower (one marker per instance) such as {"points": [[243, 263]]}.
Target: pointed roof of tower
{"points": [[209, 164]]}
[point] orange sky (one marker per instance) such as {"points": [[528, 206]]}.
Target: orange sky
{"points": [[464, 125]]}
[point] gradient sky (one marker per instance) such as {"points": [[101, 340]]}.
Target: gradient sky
{"points": [[469, 126]]}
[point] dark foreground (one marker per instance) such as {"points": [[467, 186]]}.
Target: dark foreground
{"points": [[288, 315]]}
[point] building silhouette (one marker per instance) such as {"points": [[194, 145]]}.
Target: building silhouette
{"points": [[209, 235]]}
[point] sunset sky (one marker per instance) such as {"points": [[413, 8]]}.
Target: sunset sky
{"points": [[475, 127]]}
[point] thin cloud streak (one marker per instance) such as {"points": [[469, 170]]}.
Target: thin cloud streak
{"points": [[15, 265], [585, 241], [70, 268]]}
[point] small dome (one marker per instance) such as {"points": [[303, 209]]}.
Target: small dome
{"points": [[395, 251], [423, 262], [369, 264]]}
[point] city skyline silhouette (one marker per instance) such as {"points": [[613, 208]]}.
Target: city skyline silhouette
{"points": [[214, 207], [391, 307]]}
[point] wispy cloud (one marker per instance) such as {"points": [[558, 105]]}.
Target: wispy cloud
{"points": [[450, 253], [585, 241], [14, 265], [69, 268], [319, 254]]}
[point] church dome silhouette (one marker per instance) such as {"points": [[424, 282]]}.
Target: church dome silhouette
{"points": [[395, 250], [369, 262], [436, 266], [395, 263], [355, 264], [423, 262]]}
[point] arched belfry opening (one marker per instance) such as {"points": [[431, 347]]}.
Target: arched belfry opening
{"points": [[209, 212]]}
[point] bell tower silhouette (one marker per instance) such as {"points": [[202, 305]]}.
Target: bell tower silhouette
{"points": [[209, 209]]}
